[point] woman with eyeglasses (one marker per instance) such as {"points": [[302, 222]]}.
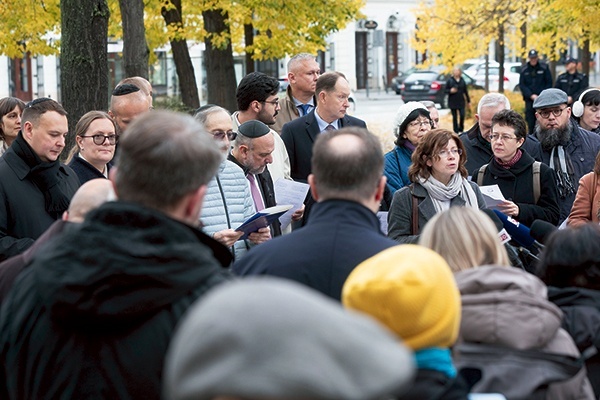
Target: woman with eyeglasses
{"points": [[411, 123], [439, 181], [228, 200], [11, 109], [517, 174], [95, 136]]}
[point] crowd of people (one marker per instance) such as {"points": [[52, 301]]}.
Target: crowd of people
{"points": [[124, 275]]}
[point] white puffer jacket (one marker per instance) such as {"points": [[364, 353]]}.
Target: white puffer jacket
{"points": [[231, 199]]}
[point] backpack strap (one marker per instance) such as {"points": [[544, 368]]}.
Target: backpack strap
{"points": [[536, 180], [480, 174]]}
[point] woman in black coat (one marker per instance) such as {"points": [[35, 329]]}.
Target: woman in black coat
{"points": [[512, 169], [458, 97]]}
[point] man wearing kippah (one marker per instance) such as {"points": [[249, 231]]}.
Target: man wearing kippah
{"points": [[253, 151], [126, 104], [566, 148]]}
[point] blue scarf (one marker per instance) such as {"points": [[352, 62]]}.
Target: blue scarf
{"points": [[437, 359]]}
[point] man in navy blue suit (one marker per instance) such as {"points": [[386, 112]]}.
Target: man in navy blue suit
{"points": [[332, 93]]}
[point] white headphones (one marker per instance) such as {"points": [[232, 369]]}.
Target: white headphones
{"points": [[578, 106]]}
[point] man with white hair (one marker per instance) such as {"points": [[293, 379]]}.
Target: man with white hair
{"points": [[477, 139]]}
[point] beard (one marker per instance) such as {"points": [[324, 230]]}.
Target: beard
{"points": [[550, 138]]}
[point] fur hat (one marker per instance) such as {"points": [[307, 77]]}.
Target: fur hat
{"points": [[411, 290], [271, 338], [401, 120]]}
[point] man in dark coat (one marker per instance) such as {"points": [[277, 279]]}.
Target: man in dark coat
{"points": [[252, 151], [535, 77], [35, 188], [93, 316], [477, 139], [332, 93], [88, 197], [566, 148], [343, 231], [571, 81]]}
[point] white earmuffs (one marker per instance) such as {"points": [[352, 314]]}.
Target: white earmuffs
{"points": [[578, 106]]}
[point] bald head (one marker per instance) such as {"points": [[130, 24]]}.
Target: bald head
{"points": [[88, 197], [347, 164], [127, 107]]}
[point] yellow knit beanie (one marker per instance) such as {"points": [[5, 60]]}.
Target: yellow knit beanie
{"points": [[411, 290]]}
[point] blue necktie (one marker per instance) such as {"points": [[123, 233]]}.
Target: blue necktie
{"points": [[305, 108]]}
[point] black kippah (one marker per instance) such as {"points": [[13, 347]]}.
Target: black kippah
{"points": [[253, 129], [124, 89]]}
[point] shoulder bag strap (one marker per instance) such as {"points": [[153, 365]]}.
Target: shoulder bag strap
{"points": [[480, 174], [536, 181]]}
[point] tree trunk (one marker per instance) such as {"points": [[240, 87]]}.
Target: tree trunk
{"points": [[83, 60], [181, 57], [585, 57], [249, 40], [135, 47], [220, 74], [524, 48], [501, 58]]}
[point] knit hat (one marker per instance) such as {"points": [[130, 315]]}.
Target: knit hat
{"points": [[263, 337], [411, 290], [401, 120]]}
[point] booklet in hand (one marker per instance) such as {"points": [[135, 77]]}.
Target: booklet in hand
{"points": [[262, 219]]}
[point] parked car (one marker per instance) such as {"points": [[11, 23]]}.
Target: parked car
{"points": [[512, 72], [397, 81], [473, 66], [431, 85]]}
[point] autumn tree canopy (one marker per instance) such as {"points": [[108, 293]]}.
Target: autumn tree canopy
{"points": [[451, 31]]}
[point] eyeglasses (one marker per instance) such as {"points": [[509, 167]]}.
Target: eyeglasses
{"points": [[100, 139], [419, 124], [494, 137], [274, 102], [447, 153], [220, 135], [546, 114]]}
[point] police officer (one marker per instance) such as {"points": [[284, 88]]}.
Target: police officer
{"points": [[571, 82], [535, 77]]}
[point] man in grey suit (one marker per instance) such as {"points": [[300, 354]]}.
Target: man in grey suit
{"points": [[332, 93]]}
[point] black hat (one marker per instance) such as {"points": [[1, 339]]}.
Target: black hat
{"points": [[570, 60], [532, 53], [253, 129]]}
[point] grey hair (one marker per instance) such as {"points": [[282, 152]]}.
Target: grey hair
{"points": [[203, 113], [299, 58], [428, 104], [493, 100]]}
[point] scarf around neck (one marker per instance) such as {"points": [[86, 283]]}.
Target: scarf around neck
{"points": [[439, 193], [45, 175], [560, 162], [511, 162]]}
